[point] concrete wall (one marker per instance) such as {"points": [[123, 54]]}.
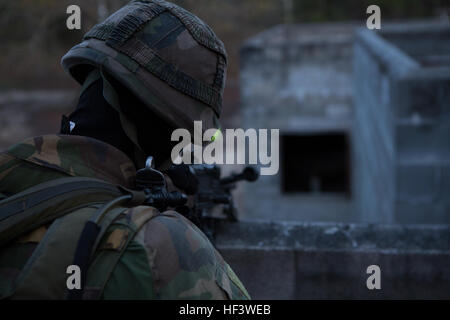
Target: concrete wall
{"points": [[423, 148], [402, 124], [297, 79], [329, 261], [376, 65]]}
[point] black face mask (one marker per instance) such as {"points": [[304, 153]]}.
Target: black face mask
{"points": [[95, 118]]}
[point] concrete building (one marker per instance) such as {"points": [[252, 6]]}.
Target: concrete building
{"points": [[363, 118], [299, 79]]}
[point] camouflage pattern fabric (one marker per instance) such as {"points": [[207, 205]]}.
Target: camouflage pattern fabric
{"points": [[169, 258], [164, 54]]}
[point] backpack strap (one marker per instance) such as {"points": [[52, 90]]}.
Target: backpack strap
{"points": [[69, 203], [43, 203], [91, 232], [80, 219], [44, 274], [87, 242], [112, 248], [60, 244]]}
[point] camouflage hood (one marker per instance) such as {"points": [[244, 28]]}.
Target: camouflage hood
{"points": [[44, 158], [165, 55]]}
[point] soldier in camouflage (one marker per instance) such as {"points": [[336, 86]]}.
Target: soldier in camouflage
{"points": [[147, 69]]}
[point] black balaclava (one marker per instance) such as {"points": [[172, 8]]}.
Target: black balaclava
{"points": [[95, 118]]}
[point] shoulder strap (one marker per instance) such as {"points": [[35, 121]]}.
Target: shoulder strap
{"points": [[44, 274], [81, 218], [48, 201], [69, 203], [112, 249]]}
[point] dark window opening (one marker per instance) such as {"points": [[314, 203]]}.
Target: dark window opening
{"points": [[315, 163]]}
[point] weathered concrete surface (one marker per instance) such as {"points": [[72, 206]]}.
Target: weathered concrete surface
{"points": [[294, 75], [329, 261], [402, 123], [298, 79]]}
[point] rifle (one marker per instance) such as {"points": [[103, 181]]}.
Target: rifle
{"points": [[214, 191], [213, 201]]}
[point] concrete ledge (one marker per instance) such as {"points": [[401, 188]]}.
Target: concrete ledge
{"points": [[329, 261], [336, 236]]}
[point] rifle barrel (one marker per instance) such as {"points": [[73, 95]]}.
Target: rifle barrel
{"points": [[249, 174]]}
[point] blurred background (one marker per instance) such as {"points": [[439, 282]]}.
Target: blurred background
{"points": [[364, 119]]}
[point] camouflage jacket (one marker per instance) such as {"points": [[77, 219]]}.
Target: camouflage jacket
{"points": [[169, 258]]}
